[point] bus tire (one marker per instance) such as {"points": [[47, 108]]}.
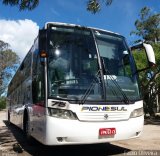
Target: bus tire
{"points": [[8, 117], [26, 127]]}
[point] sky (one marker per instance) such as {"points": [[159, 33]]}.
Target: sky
{"points": [[20, 28]]}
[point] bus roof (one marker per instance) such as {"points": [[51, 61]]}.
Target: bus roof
{"points": [[74, 25]]}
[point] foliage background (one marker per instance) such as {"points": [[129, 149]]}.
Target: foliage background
{"points": [[149, 80]]}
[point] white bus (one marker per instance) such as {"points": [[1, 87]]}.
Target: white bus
{"points": [[77, 85]]}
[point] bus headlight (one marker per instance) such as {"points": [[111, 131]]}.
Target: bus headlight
{"points": [[137, 112], [62, 113]]}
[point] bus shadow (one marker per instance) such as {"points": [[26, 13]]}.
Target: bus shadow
{"points": [[37, 149], [152, 120]]}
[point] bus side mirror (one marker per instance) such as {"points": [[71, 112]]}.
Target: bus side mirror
{"points": [[43, 44], [149, 54]]}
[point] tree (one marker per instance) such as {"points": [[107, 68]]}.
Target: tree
{"points": [[93, 6], [2, 103], [148, 26], [8, 65], [149, 80], [22, 4]]}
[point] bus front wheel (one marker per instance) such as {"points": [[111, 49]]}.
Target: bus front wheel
{"points": [[8, 117], [26, 127]]}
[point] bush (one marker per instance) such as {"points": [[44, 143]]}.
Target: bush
{"points": [[2, 103]]}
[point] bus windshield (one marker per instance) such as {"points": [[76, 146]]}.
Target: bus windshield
{"points": [[73, 67], [119, 76], [72, 64]]}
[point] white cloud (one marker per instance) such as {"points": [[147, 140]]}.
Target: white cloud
{"points": [[19, 34]]}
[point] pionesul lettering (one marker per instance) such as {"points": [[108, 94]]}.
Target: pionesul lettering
{"points": [[103, 108]]}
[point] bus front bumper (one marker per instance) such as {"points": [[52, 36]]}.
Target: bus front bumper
{"points": [[68, 132]]}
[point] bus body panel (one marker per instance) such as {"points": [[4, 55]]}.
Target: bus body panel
{"points": [[25, 97], [38, 122], [16, 116]]}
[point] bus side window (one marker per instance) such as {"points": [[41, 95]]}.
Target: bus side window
{"points": [[38, 80], [126, 63]]}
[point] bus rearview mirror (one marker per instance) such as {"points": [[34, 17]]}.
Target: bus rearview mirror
{"points": [[149, 54]]}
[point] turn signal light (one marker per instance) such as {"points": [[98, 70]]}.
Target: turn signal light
{"points": [[43, 54]]}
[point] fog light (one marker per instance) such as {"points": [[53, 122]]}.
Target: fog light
{"points": [[137, 133], [61, 139]]}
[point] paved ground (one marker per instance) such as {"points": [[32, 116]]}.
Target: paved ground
{"points": [[13, 143]]}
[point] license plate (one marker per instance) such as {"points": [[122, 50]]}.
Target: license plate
{"points": [[107, 132]]}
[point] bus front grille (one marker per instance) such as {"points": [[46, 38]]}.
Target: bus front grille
{"points": [[101, 116]]}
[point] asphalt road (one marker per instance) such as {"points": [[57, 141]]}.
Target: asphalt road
{"points": [[13, 143]]}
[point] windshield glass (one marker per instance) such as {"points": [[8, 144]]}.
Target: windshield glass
{"points": [[72, 64], [119, 67]]}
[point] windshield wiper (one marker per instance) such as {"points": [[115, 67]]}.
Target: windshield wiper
{"points": [[125, 98], [95, 80]]}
